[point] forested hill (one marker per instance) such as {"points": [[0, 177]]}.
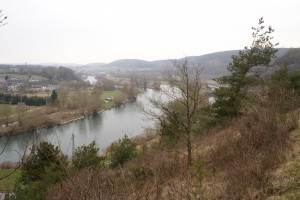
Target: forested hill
{"points": [[214, 64], [291, 57]]}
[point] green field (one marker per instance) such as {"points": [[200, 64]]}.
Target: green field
{"points": [[7, 184], [40, 94], [116, 94], [13, 111]]}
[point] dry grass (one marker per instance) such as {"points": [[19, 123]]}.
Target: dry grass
{"points": [[254, 146], [154, 175], [285, 181]]}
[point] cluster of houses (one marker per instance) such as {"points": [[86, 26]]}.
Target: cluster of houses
{"points": [[14, 84], [43, 88]]}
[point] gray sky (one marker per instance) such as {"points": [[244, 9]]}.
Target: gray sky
{"points": [[84, 31]]}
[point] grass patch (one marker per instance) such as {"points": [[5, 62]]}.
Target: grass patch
{"points": [[115, 94], [74, 93], [12, 109], [41, 94], [38, 77], [7, 184]]}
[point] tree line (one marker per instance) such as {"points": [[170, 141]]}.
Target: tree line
{"points": [[15, 99], [51, 73]]}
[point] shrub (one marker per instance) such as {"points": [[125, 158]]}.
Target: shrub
{"points": [[86, 156], [42, 169], [122, 151], [141, 172]]}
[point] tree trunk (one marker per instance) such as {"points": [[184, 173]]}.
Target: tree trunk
{"points": [[189, 148]]}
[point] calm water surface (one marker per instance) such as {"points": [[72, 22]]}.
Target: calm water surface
{"points": [[104, 128]]}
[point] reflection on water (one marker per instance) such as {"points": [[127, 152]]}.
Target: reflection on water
{"points": [[104, 128]]}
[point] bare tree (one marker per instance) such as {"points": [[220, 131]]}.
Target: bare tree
{"points": [[178, 109], [2, 19]]}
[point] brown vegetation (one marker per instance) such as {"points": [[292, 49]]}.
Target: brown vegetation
{"points": [[237, 161], [151, 176]]}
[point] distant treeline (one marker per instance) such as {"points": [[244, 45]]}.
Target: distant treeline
{"points": [[51, 73], [15, 99]]}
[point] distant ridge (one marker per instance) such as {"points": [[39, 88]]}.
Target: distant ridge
{"points": [[214, 64], [59, 64]]}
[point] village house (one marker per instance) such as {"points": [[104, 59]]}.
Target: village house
{"points": [[14, 84], [3, 83], [43, 87]]}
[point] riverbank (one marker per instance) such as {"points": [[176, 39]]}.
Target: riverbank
{"points": [[50, 117], [103, 128]]}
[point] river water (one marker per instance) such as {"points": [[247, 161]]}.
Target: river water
{"points": [[104, 128]]}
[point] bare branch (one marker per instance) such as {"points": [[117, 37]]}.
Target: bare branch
{"points": [[2, 19], [22, 156]]}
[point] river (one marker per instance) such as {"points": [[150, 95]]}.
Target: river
{"points": [[104, 128]]}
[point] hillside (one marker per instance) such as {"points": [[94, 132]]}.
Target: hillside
{"points": [[89, 68], [222, 169], [131, 64], [214, 64], [289, 57]]}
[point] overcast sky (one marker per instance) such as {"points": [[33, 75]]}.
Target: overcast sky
{"points": [[85, 31]]}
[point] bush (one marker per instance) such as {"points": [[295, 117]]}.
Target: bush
{"points": [[86, 156], [141, 173], [122, 151], [42, 169]]}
